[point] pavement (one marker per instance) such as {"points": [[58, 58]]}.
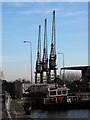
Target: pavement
{"points": [[4, 112], [16, 112]]}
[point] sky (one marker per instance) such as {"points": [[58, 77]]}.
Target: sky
{"points": [[45, 0], [20, 21]]}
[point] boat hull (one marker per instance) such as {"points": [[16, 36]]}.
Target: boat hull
{"points": [[73, 105]]}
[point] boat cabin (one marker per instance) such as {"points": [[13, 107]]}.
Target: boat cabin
{"points": [[83, 96], [58, 92], [56, 95]]}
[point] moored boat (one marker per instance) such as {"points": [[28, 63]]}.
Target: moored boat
{"points": [[52, 95], [62, 98]]}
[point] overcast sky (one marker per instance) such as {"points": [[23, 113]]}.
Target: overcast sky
{"points": [[20, 21]]}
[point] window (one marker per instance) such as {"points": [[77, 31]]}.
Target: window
{"points": [[52, 92], [88, 95], [59, 92], [81, 96], [64, 92]]}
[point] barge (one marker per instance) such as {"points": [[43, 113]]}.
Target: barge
{"points": [[52, 96], [61, 98]]}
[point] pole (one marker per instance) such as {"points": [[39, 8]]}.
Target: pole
{"points": [[63, 64], [31, 60], [30, 56]]}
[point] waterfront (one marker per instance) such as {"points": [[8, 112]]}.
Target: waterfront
{"points": [[64, 114], [24, 84]]}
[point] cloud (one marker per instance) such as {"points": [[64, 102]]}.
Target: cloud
{"points": [[16, 4], [73, 13], [47, 11], [45, 0], [62, 12], [37, 11], [42, 8], [29, 12]]}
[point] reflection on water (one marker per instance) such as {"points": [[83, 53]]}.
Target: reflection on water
{"points": [[37, 113]]}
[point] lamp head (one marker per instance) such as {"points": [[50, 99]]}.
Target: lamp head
{"points": [[24, 41]]}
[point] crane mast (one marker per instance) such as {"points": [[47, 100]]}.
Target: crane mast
{"points": [[38, 61], [46, 73], [52, 59], [45, 56]]}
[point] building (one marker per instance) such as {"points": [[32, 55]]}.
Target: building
{"points": [[14, 88], [25, 85], [85, 77]]}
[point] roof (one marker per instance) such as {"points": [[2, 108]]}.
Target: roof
{"points": [[61, 88], [76, 68]]}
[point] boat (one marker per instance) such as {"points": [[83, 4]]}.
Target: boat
{"points": [[54, 96], [62, 98]]}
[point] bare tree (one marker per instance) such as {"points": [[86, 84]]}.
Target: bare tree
{"points": [[72, 76]]}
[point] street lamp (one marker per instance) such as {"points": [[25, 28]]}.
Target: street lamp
{"points": [[63, 63], [30, 56]]}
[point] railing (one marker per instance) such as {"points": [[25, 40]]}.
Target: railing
{"points": [[53, 93], [72, 99], [84, 97], [55, 100], [49, 100]]}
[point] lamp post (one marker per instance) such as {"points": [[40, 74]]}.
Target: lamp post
{"points": [[30, 56], [63, 63]]}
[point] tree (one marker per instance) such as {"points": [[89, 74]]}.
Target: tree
{"points": [[72, 76]]}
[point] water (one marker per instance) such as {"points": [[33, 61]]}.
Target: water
{"points": [[83, 114]]}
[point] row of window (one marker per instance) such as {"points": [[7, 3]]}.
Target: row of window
{"points": [[58, 92], [85, 96]]}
